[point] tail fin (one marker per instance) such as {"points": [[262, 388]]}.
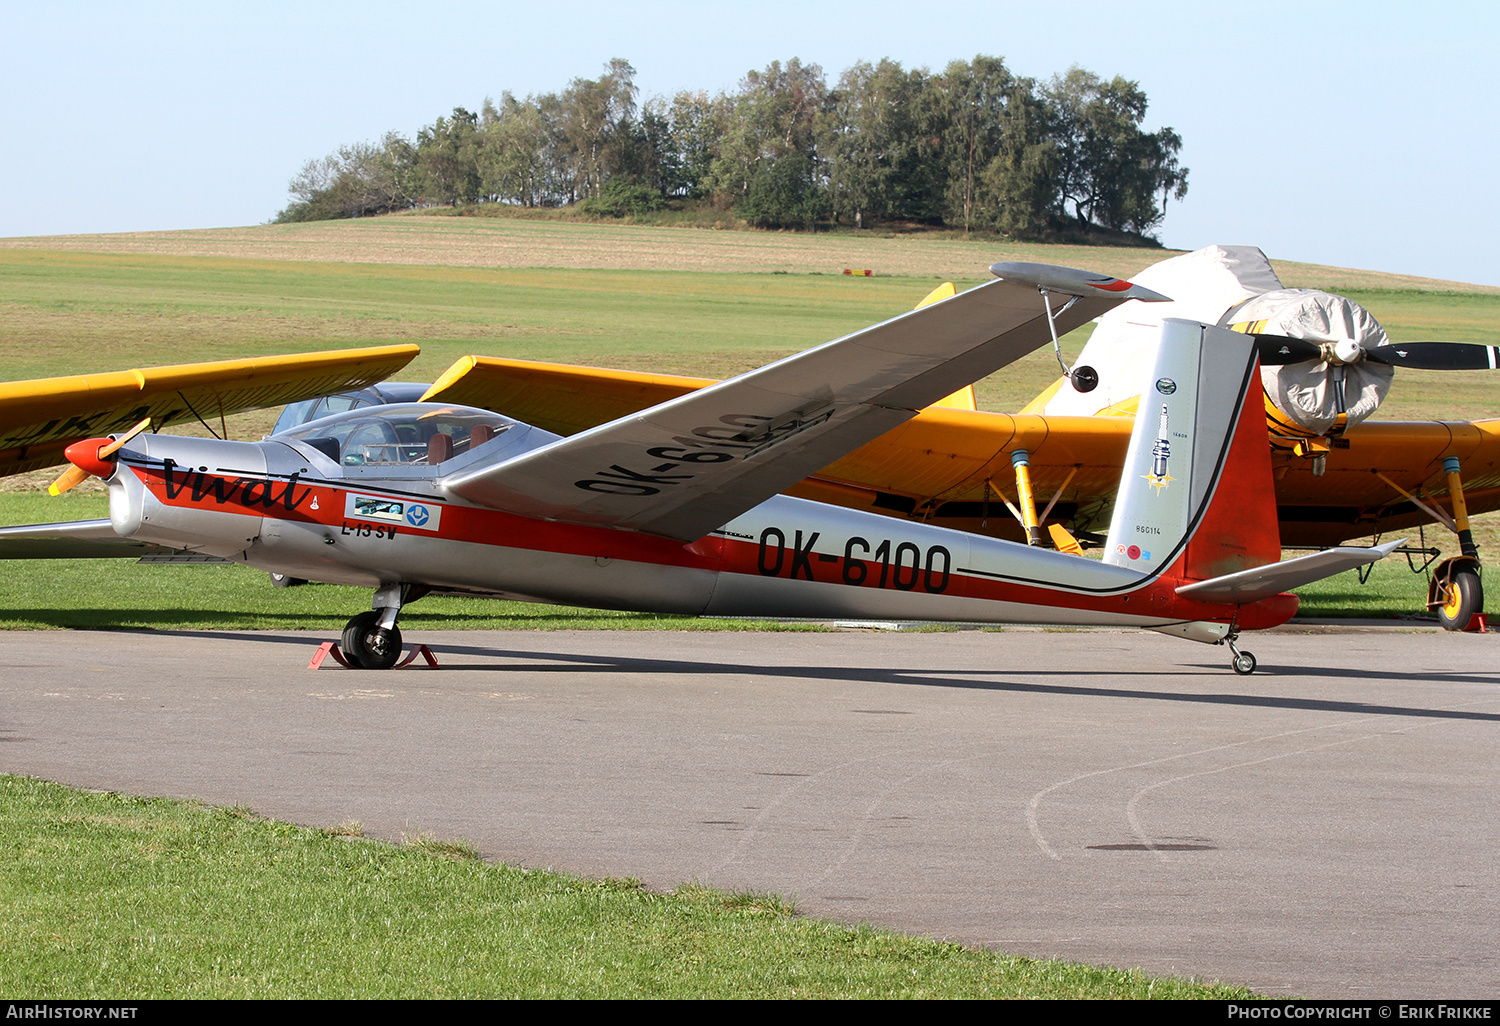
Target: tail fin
{"points": [[1196, 494]]}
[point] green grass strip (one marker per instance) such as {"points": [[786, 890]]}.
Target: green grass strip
{"points": [[111, 897]]}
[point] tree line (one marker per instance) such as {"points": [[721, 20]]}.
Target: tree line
{"points": [[973, 146]]}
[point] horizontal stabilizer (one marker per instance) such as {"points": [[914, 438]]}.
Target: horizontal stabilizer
{"points": [[1274, 578]]}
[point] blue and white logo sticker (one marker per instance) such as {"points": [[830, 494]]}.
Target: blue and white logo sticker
{"points": [[420, 515]]}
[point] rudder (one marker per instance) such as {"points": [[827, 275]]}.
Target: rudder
{"points": [[1196, 497]]}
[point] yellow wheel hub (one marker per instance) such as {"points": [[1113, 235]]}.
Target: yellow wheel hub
{"points": [[1452, 599]]}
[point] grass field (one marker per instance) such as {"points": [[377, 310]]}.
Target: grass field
{"points": [[113, 897], [73, 311], [65, 313], [437, 239]]}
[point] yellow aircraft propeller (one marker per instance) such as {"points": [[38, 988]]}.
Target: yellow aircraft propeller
{"points": [[75, 474]]}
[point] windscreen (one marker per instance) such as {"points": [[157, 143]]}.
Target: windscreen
{"points": [[404, 434]]}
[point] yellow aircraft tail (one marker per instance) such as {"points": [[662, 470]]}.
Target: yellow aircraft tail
{"points": [[963, 399]]}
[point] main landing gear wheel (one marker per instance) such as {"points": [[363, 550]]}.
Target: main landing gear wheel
{"points": [[1243, 663], [283, 581], [367, 646], [1462, 597]]}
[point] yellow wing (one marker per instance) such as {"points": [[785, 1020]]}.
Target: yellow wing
{"points": [[42, 417], [554, 396]]}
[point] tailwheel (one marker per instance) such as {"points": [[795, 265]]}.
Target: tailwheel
{"points": [[368, 646], [1459, 599]]}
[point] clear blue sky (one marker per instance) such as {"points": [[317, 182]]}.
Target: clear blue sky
{"points": [[1356, 134]]}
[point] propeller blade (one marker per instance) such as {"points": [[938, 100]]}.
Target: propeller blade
{"points": [[106, 451], [1437, 355], [1276, 350], [69, 479]]}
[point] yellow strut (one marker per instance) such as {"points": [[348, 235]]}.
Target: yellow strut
{"points": [[1460, 509], [1020, 459], [1432, 511]]}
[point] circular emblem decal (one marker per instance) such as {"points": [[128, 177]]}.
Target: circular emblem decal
{"points": [[416, 515], [1166, 386], [1134, 552]]}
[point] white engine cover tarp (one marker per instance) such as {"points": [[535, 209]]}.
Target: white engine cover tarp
{"points": [[1305, 391], [1228, 285]]}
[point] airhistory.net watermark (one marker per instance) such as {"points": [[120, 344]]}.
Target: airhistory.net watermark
{"points": [[59, 1010]]}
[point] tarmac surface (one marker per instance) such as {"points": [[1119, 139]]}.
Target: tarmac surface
{"points": [[1326, 827]]}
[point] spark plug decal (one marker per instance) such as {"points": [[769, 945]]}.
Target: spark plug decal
{"points": [[1160, 453]]}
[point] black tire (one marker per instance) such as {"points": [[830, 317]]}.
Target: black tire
{"points": [[283, 581], [1243, 664], [367, 647], [1461, 599]]}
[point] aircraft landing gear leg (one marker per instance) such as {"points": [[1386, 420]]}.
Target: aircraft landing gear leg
{"points": [[1243, 662], [372, 641], [1456, 592]]}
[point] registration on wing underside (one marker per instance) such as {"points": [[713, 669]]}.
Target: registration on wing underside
{"points": [[423, 516]]}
